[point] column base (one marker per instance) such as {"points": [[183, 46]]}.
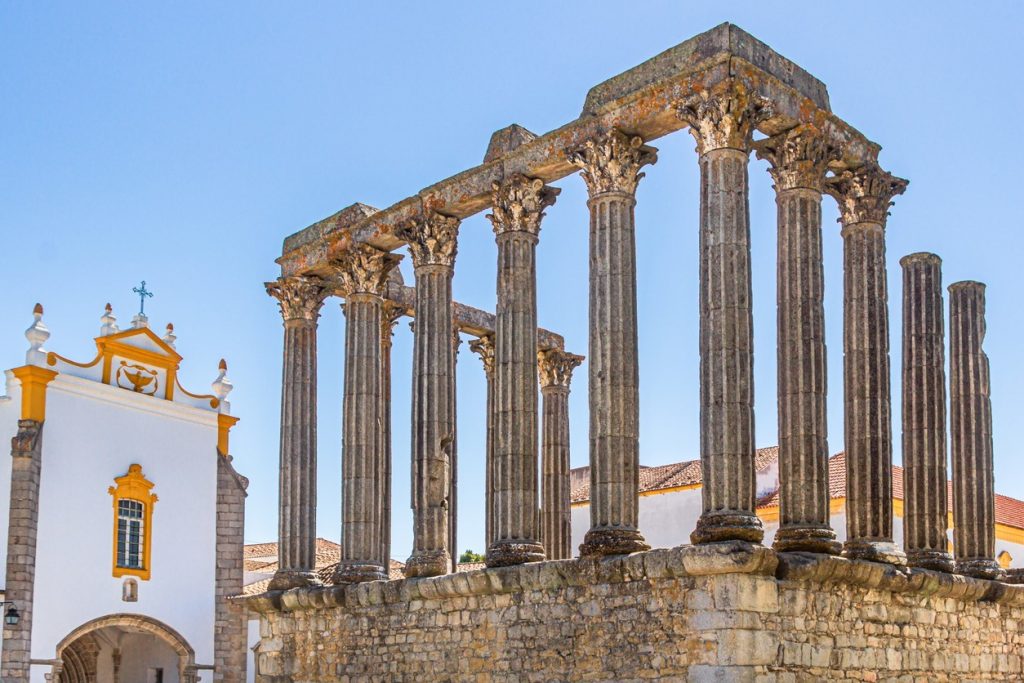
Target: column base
{"points": [[716, 526], [428, 563], [508, 553], [293, 578], [980, 568], [874, 551], [807, 539], [358, 572], [612, 541], [936, 560]]}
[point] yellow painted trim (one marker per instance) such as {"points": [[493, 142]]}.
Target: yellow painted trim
{"points": [[135, 486], [1010, 534], [654, 492], [224, 425], [1005, 559], [52, 358], [770, 514], [33, 390]]}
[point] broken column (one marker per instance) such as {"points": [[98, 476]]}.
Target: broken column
{"points": [[722, 122], [610, 165], [925, 516], [864, 196], [432, 242], [974, 508], [518, 207]]}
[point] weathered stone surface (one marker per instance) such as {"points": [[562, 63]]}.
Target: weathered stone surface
{"points": [[864, 196], [646, 617], [799, 160], [300, 299], [924, 414], [722, 122], [610, 166], [555, 368], [974, 506], [231, 623]]}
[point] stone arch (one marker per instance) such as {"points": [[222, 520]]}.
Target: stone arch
{"points": [[70, 648]]}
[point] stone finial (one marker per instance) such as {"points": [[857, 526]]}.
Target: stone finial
{"points": [[799, 157], [109, 322], [37, 334], [507, 140], [363, 269], [555, 367], [140, 320], [612, 163], [299, 297], [518, 203], [169, 337], [484, 347], [433, 239], [222, 386], [864, 194], [726, 117]]}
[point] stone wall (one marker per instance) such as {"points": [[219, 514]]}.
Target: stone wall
{"points": [[720, 612], [230, 628]]}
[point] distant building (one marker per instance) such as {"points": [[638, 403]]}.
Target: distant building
{"points": [[121, 516], [670, 503]]}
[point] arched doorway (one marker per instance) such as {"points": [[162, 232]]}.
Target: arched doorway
{"points": [[125, 648]]}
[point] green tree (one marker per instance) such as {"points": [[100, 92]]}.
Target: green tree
{"points": [[470, 556]]}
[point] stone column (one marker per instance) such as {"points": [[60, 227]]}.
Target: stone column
{"points": [[26, 467], [925, 515], [453, 507], [230, 621], [610, 166], [300, 299], [484, 347], [722, 122], [974, 509], [362, 273], [556, 368], [389, 318], [518, 205], [799, 160], [433, 244], [864, 196]]}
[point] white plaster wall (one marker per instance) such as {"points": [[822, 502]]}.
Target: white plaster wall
{"points": [[92, 434], [140, 652], [250, 658], [666, 519]]}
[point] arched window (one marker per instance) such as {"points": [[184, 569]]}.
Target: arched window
{"points": [[133, 519]]}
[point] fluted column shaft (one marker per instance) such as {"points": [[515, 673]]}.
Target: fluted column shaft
{"points": [[518, 204], [300, 300], [611, 168], [453, 506], [799, 159], [974, 524], [362, 272], [864, 197], [432, 242], [722, 122], [556, 368], [484, 347], [390, 315], [925, 516]]}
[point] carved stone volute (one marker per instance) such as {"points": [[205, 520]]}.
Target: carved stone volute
{"points": [[725, 117], [799, 158], [518, 203], [299, 297], [612, 163], [432, 239]]}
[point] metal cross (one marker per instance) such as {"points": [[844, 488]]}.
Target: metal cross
{"points": [[141, 291]]}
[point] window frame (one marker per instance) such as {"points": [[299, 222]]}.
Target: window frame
{"points": [[134, 487]]}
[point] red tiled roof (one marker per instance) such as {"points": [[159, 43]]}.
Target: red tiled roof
{"points": [[1009, 511]]}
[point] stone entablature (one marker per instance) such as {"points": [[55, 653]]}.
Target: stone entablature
{"points": [[730, 611]]}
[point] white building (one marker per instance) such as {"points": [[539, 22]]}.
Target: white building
{"points": [[121, 517], [670, 503]]}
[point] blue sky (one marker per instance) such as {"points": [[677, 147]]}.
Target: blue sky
{"points": [[180, 143]]}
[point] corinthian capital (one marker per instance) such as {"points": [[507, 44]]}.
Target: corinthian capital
{"points": [[612, 163], [865, 194], [363, 269], [432, 239], [555, 367], [799, 157], [299, 297], [725, 117], [484, 347], [518, 203]]}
